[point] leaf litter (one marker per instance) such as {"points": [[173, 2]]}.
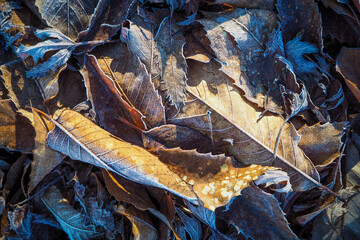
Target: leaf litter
{"points": [[179, 119]]}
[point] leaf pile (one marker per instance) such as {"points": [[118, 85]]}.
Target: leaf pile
{"points": [[179, 119]]}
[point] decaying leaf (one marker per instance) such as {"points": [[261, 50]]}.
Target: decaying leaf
{"points": [[248, 29], [70, 17], [109, 105], [79, 138], [16, 131], [55, 41], [141, 228], [132, 77], [254, 205], [322, 142], [45, 159], [229, 117], [345, 65], [300, 17], [173, 64], [163, 55], [339, 220], [106, 20], [71, 220], [22, 90], [191, 224]]}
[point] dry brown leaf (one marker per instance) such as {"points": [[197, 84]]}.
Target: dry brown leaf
{"points": [[45, 159], [231, 118], [322, 143], [257, 206], [109, 105], [142, 227], [141, 197], [16, 131], [163, 56], [238, 40], [69, 17], [127, 191], [132, 77], [22, 90], [214, 178], [347, 65]]}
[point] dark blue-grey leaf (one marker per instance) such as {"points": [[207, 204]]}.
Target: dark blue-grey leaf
{"points": [[192, 225], [295, 51], [256, 214]]}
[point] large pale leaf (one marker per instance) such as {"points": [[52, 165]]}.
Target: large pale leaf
{"points": [[222, 113], [16, 131], [82, 140], [45, 159], [71, 220], [211, 179], [254, 208], [132, 77], [70, 17], [238, 40]]}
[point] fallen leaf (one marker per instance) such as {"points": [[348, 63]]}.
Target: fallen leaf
{"points": [[339, 220], [295, 51], [128, 191], [163, 56], [173, 63], [172, 136], [191, 224], [256, 206], [230, 117], [68, 17], [45, 159], [322, 142], [22, 90], [300, 17], [71, 220], [141, 228], [73, 132], [71, 91], [106, 20], [16, 131], [346, 64], [243, 44], [214, 178], [109, 105], [133, 79]]}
